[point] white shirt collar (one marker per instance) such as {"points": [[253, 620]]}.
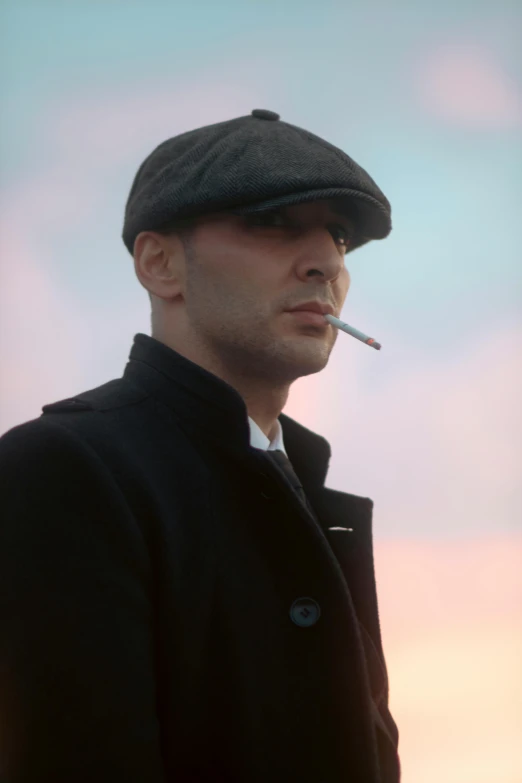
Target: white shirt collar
{"points": [[259, 440]]}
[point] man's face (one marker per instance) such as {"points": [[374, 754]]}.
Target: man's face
{"points": [[239, 277]]}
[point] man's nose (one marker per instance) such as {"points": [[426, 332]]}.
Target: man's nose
{"points": [[321, 252]]}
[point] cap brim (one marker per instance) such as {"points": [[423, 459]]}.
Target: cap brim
{"points": [[371, 218]]}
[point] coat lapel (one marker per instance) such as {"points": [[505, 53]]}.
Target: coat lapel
{"points": [[346, 522]]}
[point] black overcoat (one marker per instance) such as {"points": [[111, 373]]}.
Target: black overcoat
{"points": [[150, 558]]}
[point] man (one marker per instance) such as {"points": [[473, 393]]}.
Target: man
{"points": [[182, 599]]}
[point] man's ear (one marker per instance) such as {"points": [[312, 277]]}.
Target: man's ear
{"points": [[159, 263]]}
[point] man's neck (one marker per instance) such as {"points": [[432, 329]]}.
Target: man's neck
{"points": [[263, 404], [267, 422]]}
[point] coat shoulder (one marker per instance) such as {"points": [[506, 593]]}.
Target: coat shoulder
{"points": [[111, 395], [65, 414]]}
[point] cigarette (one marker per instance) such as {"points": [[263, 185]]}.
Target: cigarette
{"points": [[354, 332]]}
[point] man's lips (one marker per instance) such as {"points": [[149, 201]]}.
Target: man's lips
{"points": [[308, 316], [313, 312], [314, 307]]}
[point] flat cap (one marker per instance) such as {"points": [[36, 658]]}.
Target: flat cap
{"points": [[250, 164]]}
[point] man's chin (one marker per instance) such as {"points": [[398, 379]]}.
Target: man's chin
{"points": [[311, 363]]}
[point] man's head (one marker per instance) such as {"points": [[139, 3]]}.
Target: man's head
{"points": [[233, 224], [221, 287]]}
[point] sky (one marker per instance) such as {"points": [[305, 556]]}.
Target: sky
{"points": [[428, 99]]}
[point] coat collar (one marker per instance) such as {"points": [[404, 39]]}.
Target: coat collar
{"points": [[213, 410]]}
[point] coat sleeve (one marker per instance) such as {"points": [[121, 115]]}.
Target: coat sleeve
{"points": [[77, 684]]}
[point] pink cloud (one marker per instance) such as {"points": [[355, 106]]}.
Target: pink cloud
{"points": [[451, 623], [458, 583], [43, 335], [464, 85], [436, 444], [47, 341]]}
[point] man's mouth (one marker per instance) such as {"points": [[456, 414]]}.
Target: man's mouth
{"points": [[308, 316]]}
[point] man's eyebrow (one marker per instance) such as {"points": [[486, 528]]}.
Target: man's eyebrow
{"points": [[349, 220]]}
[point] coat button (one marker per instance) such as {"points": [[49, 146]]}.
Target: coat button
{"points": [[305, 612]]}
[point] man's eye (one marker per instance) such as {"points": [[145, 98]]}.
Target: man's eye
{"points": [[342, 235]]}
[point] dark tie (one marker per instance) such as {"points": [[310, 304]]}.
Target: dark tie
{"points": [[280, 458]]}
